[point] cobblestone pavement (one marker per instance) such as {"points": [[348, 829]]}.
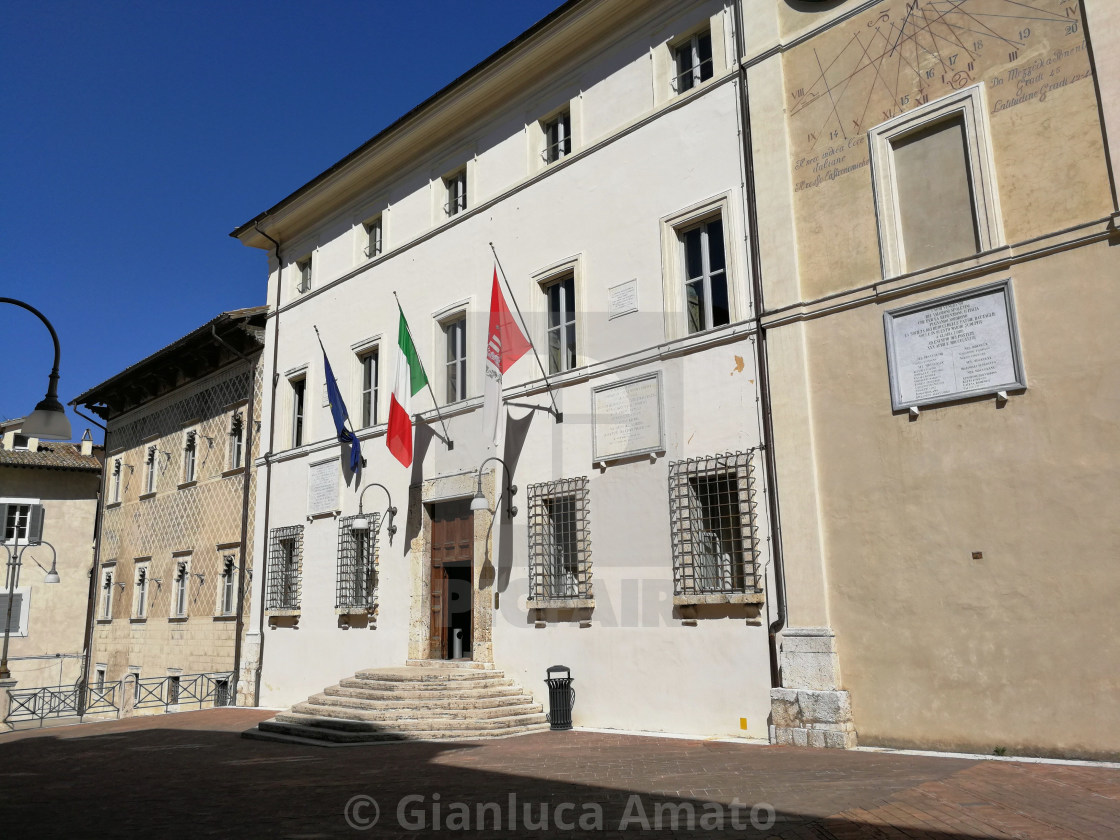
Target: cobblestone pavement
{"points": [[190, 774]]}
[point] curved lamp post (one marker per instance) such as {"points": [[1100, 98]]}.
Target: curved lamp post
{"points": [[48, 421], [479, 501], [361, 521], [15, 560]]}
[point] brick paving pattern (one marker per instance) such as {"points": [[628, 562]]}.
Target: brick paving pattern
{"points": [[190, 774]]}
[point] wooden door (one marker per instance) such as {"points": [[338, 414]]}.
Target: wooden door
{"points": [[452, 544]]}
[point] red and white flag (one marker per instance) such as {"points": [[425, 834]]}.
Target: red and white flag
{"points": [[505, 344]]}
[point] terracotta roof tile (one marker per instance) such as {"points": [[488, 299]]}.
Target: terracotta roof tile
{"points": [[53, 455]]}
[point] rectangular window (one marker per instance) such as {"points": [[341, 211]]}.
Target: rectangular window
{"points": [[99, 680], [190, 459], [285, 558], [455, 336], [456, 186], [236, 441], [369, 361], [172, 691], [558, 137], [928, 219], [299, 388], [559, 541], [115, 481], [356, 584], [142, 592], [712, 517], [693, 61], [561, 324], [303, 274], [107, 595], [151, 465], [374, 237], [182, 585], [705, 276], [228, 584], [16, 521]]}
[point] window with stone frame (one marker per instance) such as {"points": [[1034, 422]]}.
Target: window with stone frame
{"points": [[559, 541], [181, 589], [356, 581], [190, 456], [143, 590], [714, 530], [107, 595], [227, 585], [151, 466], [693, 61], [236, 441], [285, 568]]}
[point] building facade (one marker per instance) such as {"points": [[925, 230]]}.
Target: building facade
{"points": [[938, 231], [600, 154], [175, 554], [47, 632], [823, 294]]}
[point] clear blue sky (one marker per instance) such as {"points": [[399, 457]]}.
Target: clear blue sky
{"points": [[137, 135]]}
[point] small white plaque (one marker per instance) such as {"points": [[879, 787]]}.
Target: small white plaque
{"points": [[322, 487], [622, 299], [627, 419], [964, 345]]}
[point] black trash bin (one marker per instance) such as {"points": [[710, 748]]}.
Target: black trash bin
{"points": [[561, 697]]}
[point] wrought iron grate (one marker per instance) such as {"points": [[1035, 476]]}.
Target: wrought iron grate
{"points": [[285, 564], [559, 540], [713, 517], [356, 586]]}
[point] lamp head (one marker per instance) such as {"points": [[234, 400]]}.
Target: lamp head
{"points": [[359, 523], [52, 575], [48, 421], [479, 501]]}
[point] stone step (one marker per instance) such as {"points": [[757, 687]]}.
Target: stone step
{"points": [[314, 721], [349, 697], [449, 663], [294, 733], [323, 706], [429, 676], [418, 690]]}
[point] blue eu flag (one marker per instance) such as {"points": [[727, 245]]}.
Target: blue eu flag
{"points": [[338, 412]]}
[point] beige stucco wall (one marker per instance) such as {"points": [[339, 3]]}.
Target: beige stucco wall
{"points": [[1015, 649], [57, 613]]}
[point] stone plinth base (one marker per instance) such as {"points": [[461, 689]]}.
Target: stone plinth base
{"points": [[806, 718]]}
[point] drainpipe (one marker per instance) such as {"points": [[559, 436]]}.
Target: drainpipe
{"points": [[755, 257], [263, 571], [91, 597], [239, 627]]}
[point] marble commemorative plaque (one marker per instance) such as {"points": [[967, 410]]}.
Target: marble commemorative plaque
{"points": [[322, 487], [627, 418], [963, 345]]}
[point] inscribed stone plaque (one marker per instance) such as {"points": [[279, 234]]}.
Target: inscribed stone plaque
{"points": [[959, 346], [622, 299], [322, 487], [627, 419]]}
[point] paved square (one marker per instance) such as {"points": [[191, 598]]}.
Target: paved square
{"points": [[192, 775]]}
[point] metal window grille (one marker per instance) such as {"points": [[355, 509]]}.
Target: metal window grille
{"points": [[356, 585], [172, 691], [559, 540], [713, 517], [285, 556], [694, 62]]}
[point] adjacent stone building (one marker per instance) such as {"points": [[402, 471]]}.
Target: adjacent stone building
{"points": [[175, 554], [47, 632]]}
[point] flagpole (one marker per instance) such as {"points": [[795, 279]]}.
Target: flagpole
{"points": [[555, 410], [348, 420], [447, 435]]}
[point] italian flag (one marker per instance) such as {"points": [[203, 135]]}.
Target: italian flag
{"points": [[409, 379]]}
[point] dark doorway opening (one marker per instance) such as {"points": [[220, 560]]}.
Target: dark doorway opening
{"points": [[459, 604], [452, 578]]}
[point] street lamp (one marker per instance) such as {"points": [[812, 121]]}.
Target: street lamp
{"points": [[48, 421], [361, 521], [479, 501], [15, 560]]}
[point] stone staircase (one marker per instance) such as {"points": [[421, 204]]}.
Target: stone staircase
{"points": [[423, 701]]}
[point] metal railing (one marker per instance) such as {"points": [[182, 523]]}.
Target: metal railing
{"points": [[184, 690], [41, 704]]}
